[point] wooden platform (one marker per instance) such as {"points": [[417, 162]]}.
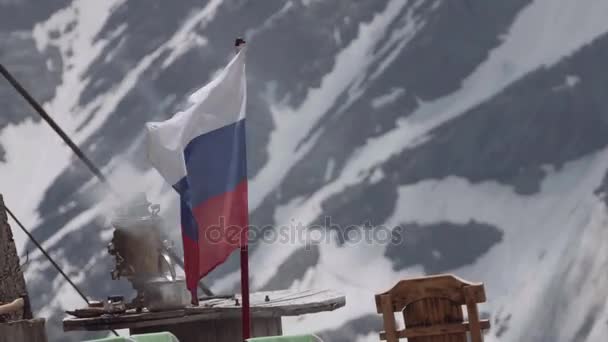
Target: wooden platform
{"points": [[29, 330], [267, 308]]}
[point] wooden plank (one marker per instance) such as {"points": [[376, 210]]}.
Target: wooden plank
{"points": [[455, 328], [225, 330], [23, 331], [229, 330], [274, 326], [275, 298], [279, 326], [123, 321], [432, 309], [12, 283], [265, 326], [259, 328], [441, 286], [473, 315], [434, 312], [280, 303], [388, 316]]}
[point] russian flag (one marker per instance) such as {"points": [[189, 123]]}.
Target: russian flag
{"points": [[201, 152]]}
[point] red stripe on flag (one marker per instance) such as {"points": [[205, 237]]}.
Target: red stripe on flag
{"points": [[222, 226], [191, 258]]}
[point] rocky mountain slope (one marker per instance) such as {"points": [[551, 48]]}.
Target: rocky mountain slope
{"points": [[472, 131]]}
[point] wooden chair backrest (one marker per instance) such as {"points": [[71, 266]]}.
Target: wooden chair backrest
{"points": [[432, 310]]}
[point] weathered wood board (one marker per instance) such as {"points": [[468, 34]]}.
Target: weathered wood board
{"points": [[432, 310], [222, 330], [271, 304], [23, 331], [275, 303], [12, 283]]}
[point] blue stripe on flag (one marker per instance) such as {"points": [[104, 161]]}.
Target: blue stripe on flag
{"points": [[215, 162], [189, 226]]}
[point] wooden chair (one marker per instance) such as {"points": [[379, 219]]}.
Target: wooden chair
{"points": [[432, 310]]}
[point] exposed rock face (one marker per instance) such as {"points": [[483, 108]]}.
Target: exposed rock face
{"points": [[441, 247], [478, 127], [40, 73]]}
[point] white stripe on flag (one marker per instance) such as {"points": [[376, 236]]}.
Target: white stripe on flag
{"points": [[219, 103]]}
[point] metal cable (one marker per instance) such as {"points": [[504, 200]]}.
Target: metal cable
{"points": [[79, 153], [57, 267], [52, 123]]}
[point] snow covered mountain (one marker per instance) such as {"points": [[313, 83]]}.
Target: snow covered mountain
{"points": [[475, 130]]}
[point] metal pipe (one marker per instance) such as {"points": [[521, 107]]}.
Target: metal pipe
{"points": [[94, 169], [43, 251]]}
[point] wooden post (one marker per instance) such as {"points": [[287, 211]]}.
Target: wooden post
{"points": [[16, 324], [473, 314], [12, 283], [31, 330], [390, 326]]}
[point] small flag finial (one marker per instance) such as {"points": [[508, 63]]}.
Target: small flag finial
{"points": [[239, 41]]}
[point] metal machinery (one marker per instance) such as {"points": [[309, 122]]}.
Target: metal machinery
{"points": [[142, 256]]}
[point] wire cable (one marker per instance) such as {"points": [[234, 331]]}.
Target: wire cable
{"points": [[43, 251], [79, 153], [26, 95]]}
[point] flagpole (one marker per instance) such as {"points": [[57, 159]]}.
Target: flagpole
{"points": [[245, 291], [246, 318]]}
